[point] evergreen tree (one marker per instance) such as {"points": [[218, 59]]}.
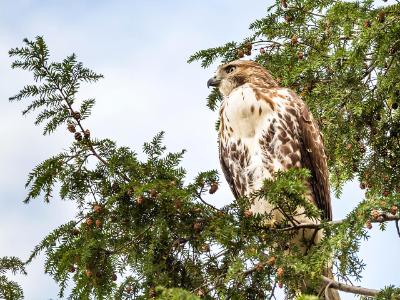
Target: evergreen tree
{"points": [[140, 232], [10, 289]]}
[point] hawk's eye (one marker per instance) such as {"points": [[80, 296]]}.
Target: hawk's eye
{"points": [[230, 69]]}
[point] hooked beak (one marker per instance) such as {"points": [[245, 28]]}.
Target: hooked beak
{"points": [[213, 82]]}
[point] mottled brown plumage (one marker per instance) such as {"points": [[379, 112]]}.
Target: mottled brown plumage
{"points": [[274, 125], [263, 129]]}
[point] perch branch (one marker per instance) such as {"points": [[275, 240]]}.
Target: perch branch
{"points": [[349, 288]]}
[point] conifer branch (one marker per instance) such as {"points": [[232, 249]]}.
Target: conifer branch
{"points": [[206, 203], [384, 217]]}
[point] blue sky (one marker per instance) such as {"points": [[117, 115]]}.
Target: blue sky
{"points": [[141, 47]]}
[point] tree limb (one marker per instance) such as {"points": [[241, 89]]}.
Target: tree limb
{"points": [[349, 288]]}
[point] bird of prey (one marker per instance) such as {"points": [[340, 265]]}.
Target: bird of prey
{"points": [[265, 128]]}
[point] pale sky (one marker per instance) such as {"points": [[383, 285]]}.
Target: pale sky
{"points": [[141, 48]]}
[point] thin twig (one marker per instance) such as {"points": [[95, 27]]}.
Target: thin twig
{"points": [[272, 292], [205, 202]]}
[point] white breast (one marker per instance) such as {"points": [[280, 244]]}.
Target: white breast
{"points": [[245, 119], [245, 114]]}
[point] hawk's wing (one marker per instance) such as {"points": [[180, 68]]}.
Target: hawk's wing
{"points": [[225, 170], [313, 157]]}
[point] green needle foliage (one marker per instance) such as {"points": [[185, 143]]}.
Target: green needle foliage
{"points": [[10, 290], [343, 59], [141, 231]]}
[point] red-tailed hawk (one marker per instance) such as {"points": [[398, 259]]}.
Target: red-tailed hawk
{"points": [[265, 128]]}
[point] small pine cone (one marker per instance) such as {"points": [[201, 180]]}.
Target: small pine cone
{"points": [[97, 208], [153, 193], [248, 46], [99, 274], [152, 293], [76, 115], [271, 261], [99, 223], [248, 52], [71, 269], [385, 193], [78, 136], [283, 3], [294, 40], [114, 277], [128, 289], [205, 248], [394, 209], [240, 53], [140, 200], [75, 231], [71, 128], [86, 134], [363, 185], [89, 221], [375, 214], [262, 50], [259, 267], [381, 16], [200, 293], [196, 210], [386, 178], [213, 187], [280, 284], [288, 18], [178, 204], [367, 24], [88, 273], [279, 272], [197, 226], [300, 55], [248, 213], [368, 224]]}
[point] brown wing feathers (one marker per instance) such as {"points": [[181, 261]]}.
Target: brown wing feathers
{"points": [[314, 158], [227, 173]]}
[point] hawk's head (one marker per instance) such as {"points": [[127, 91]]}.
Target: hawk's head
{"points": [[236, 73]]}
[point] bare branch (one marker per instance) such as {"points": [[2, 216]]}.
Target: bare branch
{"points": [[349, 288]]}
